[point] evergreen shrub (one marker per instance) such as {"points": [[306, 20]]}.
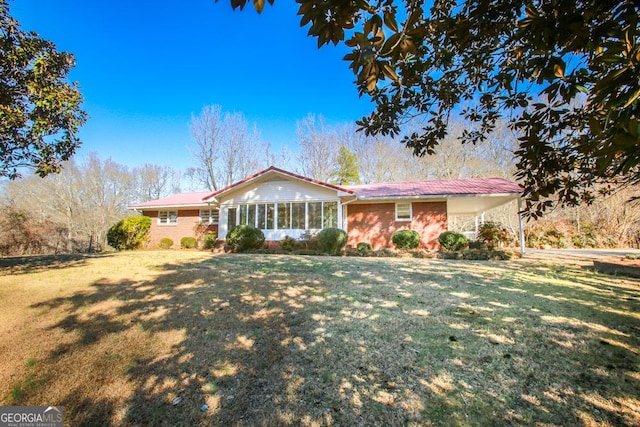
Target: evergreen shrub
{"points": [[406, 239], [209, 241], [245, 237], [188, 243], [453, 241], [129, 233], [166, 243], [332, 240]]}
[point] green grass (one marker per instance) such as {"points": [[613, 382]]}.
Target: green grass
{"points": [[295, 340]]}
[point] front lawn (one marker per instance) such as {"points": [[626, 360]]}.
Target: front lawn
{"points": [[294, 340]]}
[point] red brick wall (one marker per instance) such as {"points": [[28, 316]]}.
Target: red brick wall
{"points": [[375, 223], [188, 226]]}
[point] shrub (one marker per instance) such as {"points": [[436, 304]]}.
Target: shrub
{"points": [[209, 241], [188, 243], [480, 255], [492, 234], [364, 248], [453, 241], [289, 244], [129, 233], [245, 237], [406, 239], [475, 244], [309, 241], [554, 238], [166, 243], [332, 240]]}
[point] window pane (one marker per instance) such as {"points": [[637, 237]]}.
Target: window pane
{"points": [[271, 214], [330, 210], [403, 210], [251, 215], [231, 218], [173, 217], [297, 216], [243, 214], [262, 217], [315, 215], [284, 216]]}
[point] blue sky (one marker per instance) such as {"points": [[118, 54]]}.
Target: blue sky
{"points": [[144, 67]]}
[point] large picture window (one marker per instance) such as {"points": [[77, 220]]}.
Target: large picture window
{"points": [[314, 211], [298, 214], [284, 216], [330, 214]]}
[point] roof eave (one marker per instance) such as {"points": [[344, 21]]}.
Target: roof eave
{"points": [[432, 196], [147, 208]]}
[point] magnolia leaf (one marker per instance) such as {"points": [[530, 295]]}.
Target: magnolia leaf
{"points": [[389, 72], [390, 21], [558, 70], [258, 5]]}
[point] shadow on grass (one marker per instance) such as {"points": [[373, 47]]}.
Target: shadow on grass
{"points": [[284, 340], [39, 263]]}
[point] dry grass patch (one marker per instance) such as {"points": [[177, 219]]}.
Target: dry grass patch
{"points": [[293, 340]]}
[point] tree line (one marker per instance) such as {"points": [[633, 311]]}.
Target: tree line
{"points": [[71, 211]]}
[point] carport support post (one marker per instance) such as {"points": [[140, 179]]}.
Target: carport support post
{"points": [[521, 223]]}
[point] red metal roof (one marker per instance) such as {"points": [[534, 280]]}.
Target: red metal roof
{"points": [[430, 188], [448, 187], [181, 199]]}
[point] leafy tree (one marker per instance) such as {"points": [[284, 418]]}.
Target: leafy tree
{"points": [[347, 170], [40, 112], [563, 72]]}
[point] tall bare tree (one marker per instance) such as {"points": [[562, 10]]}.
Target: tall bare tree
{"points": [[227, 148], [155, 181], [318, 148], [81, 202]]}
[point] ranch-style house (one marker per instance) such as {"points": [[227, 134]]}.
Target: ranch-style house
{"points": [[283, 203]]}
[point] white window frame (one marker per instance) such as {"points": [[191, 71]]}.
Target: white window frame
{"points": [[207, 217], [398, 211], [167, 218]]}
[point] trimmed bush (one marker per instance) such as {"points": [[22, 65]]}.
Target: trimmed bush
{"points": [[188, 243], [289, 244], [332, 240], [453, 241], [245, 237], [129, 233], [364, 248], [406, 239], [209, 241], [166, 243]]}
